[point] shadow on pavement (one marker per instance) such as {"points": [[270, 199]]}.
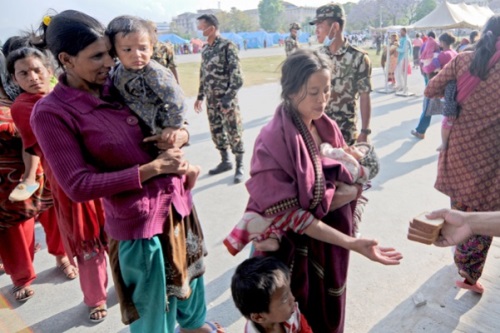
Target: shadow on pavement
{"points": [[213, 290], [442, 313]]}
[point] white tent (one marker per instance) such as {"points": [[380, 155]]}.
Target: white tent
{"points": [[486, 11], [388, 28], [454, 16]]}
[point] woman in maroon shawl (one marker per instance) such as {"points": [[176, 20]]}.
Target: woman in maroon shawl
{"points": [[288, 175]]}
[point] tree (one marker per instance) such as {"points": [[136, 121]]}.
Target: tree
{"points": [[270, 14], [241, 21], [348, 7], [235, 21], [397, 11], [424, 8], [363, 15]]}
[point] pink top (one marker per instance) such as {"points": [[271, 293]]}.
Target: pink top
{"points": [[417, 42], [442, 59]]}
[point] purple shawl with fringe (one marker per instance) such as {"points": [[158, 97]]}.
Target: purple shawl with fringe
{"points": [[282, 167]]}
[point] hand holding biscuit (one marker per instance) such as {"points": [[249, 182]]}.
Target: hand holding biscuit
{"points": [[455, 230]]}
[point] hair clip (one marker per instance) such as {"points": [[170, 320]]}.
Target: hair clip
{"points": [[46, 20]]}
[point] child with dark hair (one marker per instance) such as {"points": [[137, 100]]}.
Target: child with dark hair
{"points": [[261, 291], [148, 88]]}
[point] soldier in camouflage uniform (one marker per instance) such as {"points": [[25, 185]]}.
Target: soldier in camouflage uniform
{"points": [[291, 42], [220, 80], [163, 53], [351, 78], [351, 74]]}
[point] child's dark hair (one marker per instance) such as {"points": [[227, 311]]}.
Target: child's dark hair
{"points": [[127, 24], [26, 52], [473, 36], [298, 68], [255, 281], [447, 38]]}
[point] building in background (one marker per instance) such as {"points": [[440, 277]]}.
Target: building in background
{"points": [[163, 27], [294, 13], [186, 22]]}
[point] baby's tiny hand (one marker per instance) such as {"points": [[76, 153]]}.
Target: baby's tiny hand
{"points": [[354, 152]]}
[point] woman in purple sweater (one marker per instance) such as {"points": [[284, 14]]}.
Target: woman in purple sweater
{"points": [[96, 148]]}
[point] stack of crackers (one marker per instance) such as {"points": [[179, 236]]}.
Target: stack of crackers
{"points": [[424, 230]]}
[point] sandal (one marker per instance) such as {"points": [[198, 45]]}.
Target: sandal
{"points": [[477, 287], [23, 191], [102, 309], [418, 135], [37, 247], [22, 294], [69, 270]]}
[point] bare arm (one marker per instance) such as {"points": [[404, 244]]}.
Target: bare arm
{"points": [[366, 247], [344, 194], [365, 106], [460, 226], [174, 71], [30, 167]]}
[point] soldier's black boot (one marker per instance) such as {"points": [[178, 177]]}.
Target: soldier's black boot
{"points": [[224, 165], [238, 175]]}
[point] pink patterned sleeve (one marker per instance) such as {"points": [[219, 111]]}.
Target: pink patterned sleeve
{"points": [[254, 226], [297, 220]]}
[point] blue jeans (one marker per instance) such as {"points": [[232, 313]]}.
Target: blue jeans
{"points": [[425, 121]]}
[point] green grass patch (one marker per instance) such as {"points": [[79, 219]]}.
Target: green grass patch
{"points": [[372, 53], [256, 71]]}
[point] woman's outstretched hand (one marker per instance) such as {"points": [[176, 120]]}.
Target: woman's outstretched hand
{"points": [[370, 249]]}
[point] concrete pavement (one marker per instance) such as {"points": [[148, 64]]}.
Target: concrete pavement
{"points": [[379, 297]]}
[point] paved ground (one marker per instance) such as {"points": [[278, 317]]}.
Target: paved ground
{"points": [[379, 297]]}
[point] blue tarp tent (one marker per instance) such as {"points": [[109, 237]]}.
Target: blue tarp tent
{"points": [[235, 38], [277, 36], [256, 39], [303, 36], [172, 38]]}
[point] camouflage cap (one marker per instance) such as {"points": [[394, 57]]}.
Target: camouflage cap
{"points": [[295, 26], [332, 10]]}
